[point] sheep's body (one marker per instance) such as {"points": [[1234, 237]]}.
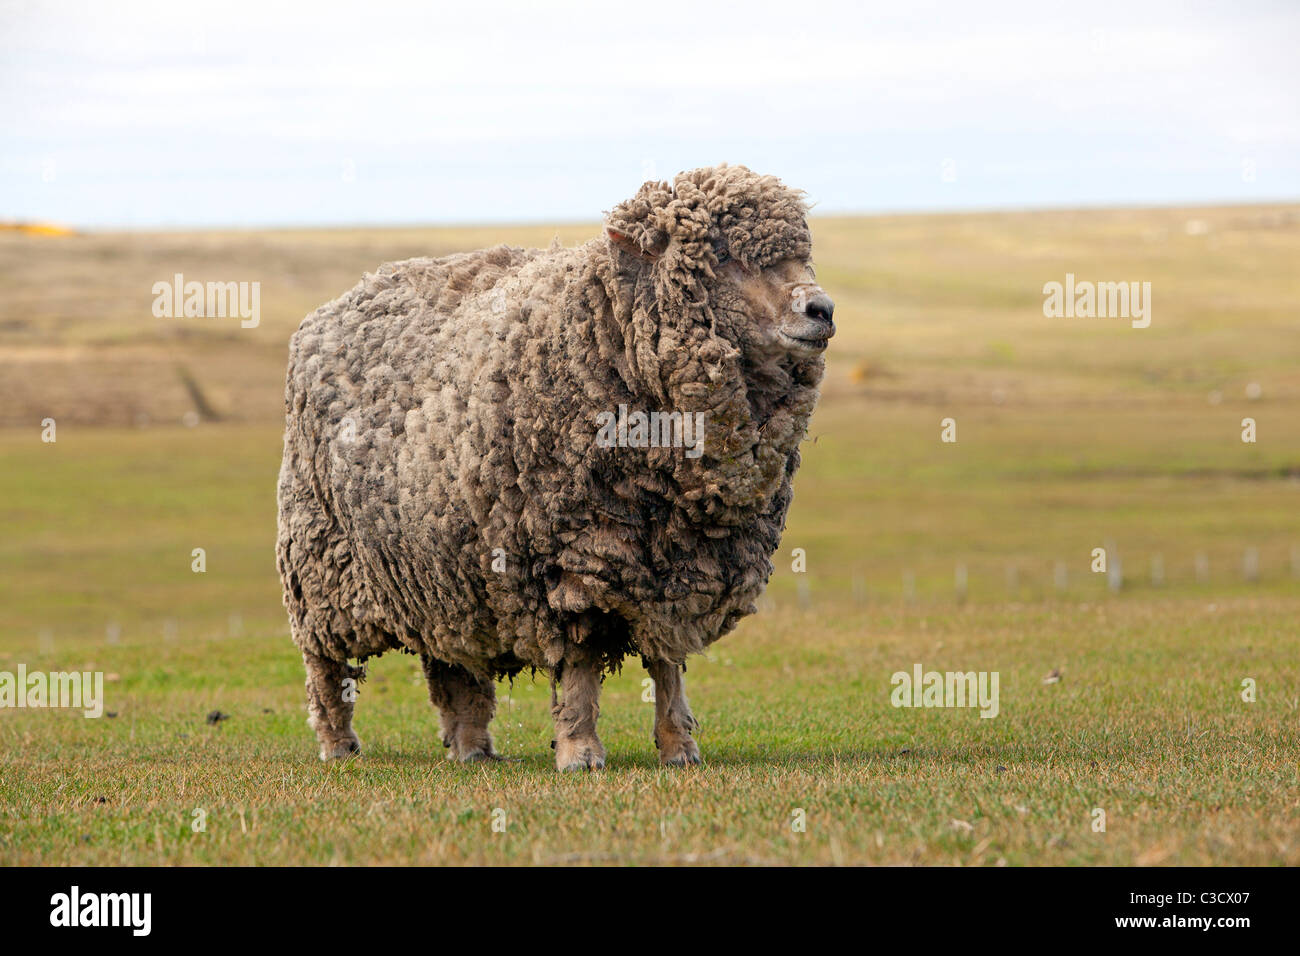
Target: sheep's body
{"points": [[443, 490]]}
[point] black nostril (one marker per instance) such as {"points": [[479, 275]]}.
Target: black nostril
{"points": [[820, 307]]}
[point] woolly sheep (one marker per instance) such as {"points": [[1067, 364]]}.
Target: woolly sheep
{"points": [[467, 475]]}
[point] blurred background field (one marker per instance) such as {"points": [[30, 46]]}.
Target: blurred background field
{"points": [[1072, 434]]}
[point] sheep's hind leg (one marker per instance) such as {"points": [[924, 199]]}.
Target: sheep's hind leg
{"points": [[330, 704], [576, 745], [673, 718], [465, 707]]}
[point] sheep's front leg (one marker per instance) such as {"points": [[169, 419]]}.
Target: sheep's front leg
{"points": [[465, 705], [673, 719], [330, 703], [576, 745]]}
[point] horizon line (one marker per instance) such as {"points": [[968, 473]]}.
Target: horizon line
{"points": [[565, 222]]}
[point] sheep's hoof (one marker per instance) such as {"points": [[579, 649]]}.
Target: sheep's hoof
{"points": [[341, 749], [589, 763], [474, 756], [573, 756], [680, 760], [682, 753]]}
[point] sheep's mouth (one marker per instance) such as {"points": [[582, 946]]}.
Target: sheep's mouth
{"points": [[814, 343]]}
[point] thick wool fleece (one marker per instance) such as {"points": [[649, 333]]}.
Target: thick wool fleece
{"points": [[443, 414]]}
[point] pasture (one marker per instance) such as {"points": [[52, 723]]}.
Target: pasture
{"points": [[1122, 695]]}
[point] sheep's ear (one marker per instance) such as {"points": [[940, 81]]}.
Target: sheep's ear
{"points": [[629, 245]]}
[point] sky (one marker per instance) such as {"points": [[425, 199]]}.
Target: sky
{"points": [[248, 114]]}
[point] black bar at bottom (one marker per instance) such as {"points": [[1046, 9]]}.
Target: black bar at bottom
{"points": [[307, 905]]}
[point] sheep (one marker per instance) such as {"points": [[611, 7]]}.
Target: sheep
{"points": [[455, 485]]}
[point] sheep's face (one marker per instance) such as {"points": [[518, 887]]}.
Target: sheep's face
{"points": [[782, 309], [734, 241]]}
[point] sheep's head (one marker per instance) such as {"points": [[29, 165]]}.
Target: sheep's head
{"points": [[717, 311], [731, 248]]}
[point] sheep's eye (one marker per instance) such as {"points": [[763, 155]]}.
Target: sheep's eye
{"points": [[723, 257]]}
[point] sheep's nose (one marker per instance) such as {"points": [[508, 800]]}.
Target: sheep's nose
{"points": [[820, 307]]}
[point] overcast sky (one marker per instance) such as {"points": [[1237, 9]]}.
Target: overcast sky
{"points": [[258, 113]]}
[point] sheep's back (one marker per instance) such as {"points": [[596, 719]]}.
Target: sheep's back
{"points": [[400, 404]]}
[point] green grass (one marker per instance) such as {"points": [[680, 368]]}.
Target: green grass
{"points": [[1145, 724], [1072, 436]]}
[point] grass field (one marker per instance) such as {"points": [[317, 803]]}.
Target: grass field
{"points": [[1073, 434]]}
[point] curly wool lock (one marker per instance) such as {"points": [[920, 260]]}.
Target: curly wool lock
{"points": [[443, 490]]}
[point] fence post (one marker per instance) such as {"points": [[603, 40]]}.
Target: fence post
{"points": [[1114, 568], [1250, 564]]}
